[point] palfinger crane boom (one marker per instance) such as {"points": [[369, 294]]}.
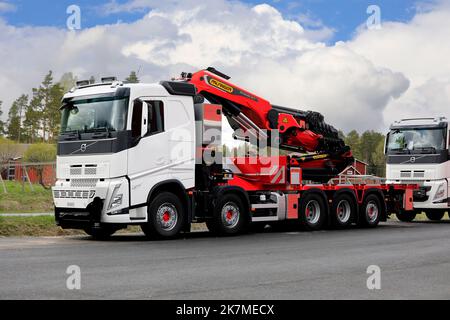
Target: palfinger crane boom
{"points": [[303, 131]]}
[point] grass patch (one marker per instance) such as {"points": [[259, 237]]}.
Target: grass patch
{"points": [[32, 226], [22, 199], [43, 226]]}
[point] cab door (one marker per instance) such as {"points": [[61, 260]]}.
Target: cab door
{"points": [[148, 158]]}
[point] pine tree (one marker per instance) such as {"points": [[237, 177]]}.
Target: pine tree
{"points": [[31, 124], [53, 112], [44, 109], [132, 78], [15, 118]]}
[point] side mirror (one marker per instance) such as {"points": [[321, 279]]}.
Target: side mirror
{"points": [[386, 142], [144, 124]]}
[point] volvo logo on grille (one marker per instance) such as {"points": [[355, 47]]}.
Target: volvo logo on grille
{"points": [[83, 147]]}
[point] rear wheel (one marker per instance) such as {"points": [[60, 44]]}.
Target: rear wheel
{"points": [[343, 211], [434, 215], [312, 211], [229, 217], [370, 212], [165, 216], [406, 216]]}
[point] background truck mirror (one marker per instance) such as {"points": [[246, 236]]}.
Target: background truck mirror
{"points": [[386, 143]]}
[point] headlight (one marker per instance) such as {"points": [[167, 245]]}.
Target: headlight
{"points": [[116, 199], [440, 193]]}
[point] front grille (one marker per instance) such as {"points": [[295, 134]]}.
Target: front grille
{"points": [[83, 183], [73, 194], [405, 174], [419, 174], [90, 171], [75, 171]]}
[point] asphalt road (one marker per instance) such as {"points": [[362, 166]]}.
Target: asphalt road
{"points": [[414, 260]]}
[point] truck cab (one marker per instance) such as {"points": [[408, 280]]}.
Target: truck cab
{"points": [[117, 142], [417, 151]]}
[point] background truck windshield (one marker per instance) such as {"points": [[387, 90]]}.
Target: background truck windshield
{"points": [[87, 115], [419, 140]]}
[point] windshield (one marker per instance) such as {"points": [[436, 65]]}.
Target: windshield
{"points": [[96, 114], [417, 140]]}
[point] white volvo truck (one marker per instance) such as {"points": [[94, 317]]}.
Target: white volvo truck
{"points": [[417, 151]]}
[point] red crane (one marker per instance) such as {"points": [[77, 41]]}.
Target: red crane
{"points": [[324, 153]]}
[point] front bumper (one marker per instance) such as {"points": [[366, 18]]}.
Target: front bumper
{"points": [[426, 196], [82, 204]]}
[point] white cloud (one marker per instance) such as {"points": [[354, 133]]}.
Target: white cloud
{"points": [[356, 84], [7, 6], [420, 50]]}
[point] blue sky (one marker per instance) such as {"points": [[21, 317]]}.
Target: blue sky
{"points": [[344, 16]]}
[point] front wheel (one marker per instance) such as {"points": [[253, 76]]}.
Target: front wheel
{"points": [[406, 216], [165, 217], [434, 215]]}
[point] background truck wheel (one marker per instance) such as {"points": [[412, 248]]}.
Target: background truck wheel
{"points": [[343, 211], [229, 217], [434, 215], [165, 217], [312, 212], [101, 233], [406, 216], [370, 212]]}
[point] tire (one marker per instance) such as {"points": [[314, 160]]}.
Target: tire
{"points": [[102, 233], [435, 215], [343, 211], [229, 216], [406, 216], [370, 212], [312, 212], [165, 217]]}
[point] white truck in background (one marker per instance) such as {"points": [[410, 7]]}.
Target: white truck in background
{"points": [[417, 151]]}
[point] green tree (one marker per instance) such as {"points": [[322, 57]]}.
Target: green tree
{"points": [[15, 118], [30, 126], [53, 112], [353, 140], [379, 160], [42, 116], [369, 143], [132, 78]]}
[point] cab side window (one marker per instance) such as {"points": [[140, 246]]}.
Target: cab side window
{"points": [[155, 117], [136, 119]]}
